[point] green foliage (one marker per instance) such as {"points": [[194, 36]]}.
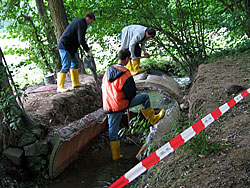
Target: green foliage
{"points": [[38, 165], [234, 15], [200, 146], [168, 67], [240, 48], [11, 113], [138, 127], [26, 25], [187, 31], [185, 28]]}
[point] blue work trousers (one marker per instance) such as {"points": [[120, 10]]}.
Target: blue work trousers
{"points": [[114, 119], [68, 61]]}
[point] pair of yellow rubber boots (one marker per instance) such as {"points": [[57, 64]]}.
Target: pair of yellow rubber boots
{"points": [[134, 68], [61, 79], [150, 115]]}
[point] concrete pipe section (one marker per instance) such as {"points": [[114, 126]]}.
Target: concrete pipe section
{"points": [[70, 141]]}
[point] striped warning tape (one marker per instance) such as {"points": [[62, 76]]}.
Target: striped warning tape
{"points": [[172, 145]]}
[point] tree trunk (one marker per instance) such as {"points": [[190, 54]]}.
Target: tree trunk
{"points": [[58, 15], [49, 32]]}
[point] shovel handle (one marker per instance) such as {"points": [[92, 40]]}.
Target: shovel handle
{"points": [[129, 118], [149, 55]]}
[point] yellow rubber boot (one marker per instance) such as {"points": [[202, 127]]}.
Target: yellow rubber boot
{"points": [[75, 78], [115, 150], [136, 67], [60, 82], [149, 114], [130, 66]]}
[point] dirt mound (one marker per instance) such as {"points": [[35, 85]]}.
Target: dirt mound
{"points": [[215, 84], [226, 160], [51, 109]]}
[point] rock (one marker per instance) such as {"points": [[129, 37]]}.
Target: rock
{"points": [[36, 149], [26, 139], [141, 76], [184, 103], [184, 106], [14, 154]]}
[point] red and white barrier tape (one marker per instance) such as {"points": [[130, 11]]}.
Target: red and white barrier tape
{"points": [[172, 145]]}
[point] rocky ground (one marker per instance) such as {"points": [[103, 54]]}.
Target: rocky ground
{"points": [[222, 161]]}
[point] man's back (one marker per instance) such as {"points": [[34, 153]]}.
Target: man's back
{"points": [[74, 36], [118, 88]]}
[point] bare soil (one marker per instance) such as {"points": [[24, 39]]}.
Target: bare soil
{"points": [[225, 161], [52, 109], [226, 164]]}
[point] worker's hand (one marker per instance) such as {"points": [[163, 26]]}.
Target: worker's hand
{"points": [[146, 54], [90, 53]]}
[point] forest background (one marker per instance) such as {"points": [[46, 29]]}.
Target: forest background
{"points": [[188, 32]]}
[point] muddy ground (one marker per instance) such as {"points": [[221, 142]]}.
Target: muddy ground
{"points": [[225, 163]]}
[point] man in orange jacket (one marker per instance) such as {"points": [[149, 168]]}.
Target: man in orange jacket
{"points": [[118, 94]]}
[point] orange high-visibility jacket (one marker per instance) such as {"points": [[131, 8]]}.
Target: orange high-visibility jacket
{"points": [[118, 88]]}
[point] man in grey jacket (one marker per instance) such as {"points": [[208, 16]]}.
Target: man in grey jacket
{"points": [[134, 38]]}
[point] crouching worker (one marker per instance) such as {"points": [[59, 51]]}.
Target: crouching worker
{"points": [[134, 37], [118, 94]]}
